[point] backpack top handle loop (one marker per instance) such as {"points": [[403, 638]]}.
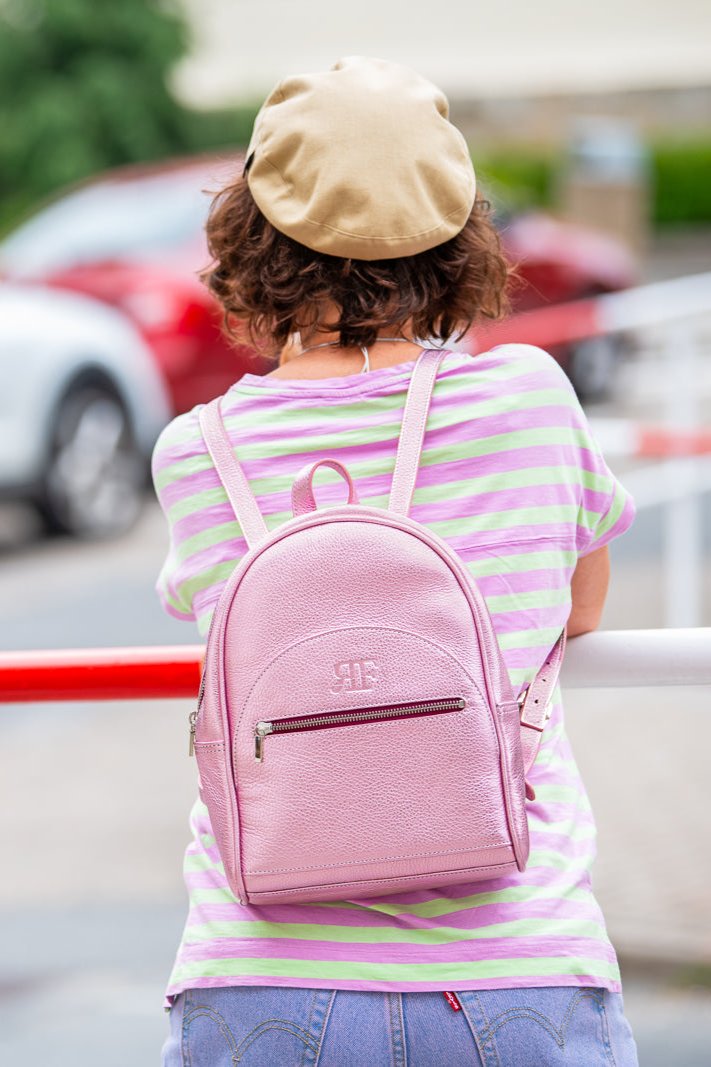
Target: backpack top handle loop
{"points": [[303, 498]]}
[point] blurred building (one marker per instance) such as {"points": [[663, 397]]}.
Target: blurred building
{"points": [[514, 71], [545, 118], [537, 77]]}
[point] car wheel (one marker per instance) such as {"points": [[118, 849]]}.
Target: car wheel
{"points": [[95, 475], [593, 366]]}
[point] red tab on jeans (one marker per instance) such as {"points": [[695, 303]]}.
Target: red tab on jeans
{"points": [[453, 1002]]}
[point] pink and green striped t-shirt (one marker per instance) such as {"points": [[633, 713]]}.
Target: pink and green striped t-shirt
{"points": [[511, 477]]}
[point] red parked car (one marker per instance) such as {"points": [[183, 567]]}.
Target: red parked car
{"points": [[133, 238]]}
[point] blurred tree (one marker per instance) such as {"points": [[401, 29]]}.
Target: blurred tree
{"points": [[83, 86]]}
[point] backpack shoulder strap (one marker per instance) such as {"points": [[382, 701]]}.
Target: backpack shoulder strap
{"points": [[534, 703], [231, 474], [412, 431]]}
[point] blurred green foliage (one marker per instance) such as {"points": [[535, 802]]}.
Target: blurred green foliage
{"points": [[84, 86], [230, 128], [682, 182], [517, 179], [680, 174]]}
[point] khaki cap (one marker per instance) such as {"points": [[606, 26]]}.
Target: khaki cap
{"points": [[361, 162]]}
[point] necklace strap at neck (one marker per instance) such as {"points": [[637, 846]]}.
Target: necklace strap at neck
{"points": [[337, 344], [366, 355]]}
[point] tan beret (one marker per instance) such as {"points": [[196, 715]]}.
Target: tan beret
{"points": [[361, 161]]}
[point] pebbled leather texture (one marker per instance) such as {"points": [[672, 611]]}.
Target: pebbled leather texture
{"points": [[339, 612], [218, 794], [352, 608]]}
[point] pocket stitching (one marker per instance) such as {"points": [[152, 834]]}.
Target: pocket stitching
{"points": [[264, 1027], [557, 1033], [204, 1011]]}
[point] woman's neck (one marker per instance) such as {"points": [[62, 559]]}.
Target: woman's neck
{"points": [[334, 361]]}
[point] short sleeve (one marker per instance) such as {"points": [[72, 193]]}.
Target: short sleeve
{"points": [[605, 508], [614, 517]]}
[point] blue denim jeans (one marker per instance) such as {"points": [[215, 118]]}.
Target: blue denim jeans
{"points": [[263, 1026]]}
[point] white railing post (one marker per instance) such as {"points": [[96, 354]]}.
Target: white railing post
{"points": [[683, 556]]}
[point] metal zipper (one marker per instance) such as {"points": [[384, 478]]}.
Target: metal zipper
{"points": [[192, 717], [381, 713]]}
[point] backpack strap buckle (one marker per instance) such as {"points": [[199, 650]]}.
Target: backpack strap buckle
{"points": [[532, 714], [535, 702]]}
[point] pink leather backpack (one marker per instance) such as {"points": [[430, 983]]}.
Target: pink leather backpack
{"points": [[356, 732]]}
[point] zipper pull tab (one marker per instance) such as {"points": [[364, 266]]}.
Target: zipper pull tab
{"points": [[260, 732], [191, 719]]}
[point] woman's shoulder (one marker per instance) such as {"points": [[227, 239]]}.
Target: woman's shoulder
{"points": [[181, 436], [524, 359], [512, 370], [180, 457]]}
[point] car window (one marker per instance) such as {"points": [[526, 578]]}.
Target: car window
{"points": [[141, 218]]}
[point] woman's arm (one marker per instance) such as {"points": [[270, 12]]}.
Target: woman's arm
{"points": [[588, 588]]}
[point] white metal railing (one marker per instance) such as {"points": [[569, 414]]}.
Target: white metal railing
{"points": [[611, 659]]}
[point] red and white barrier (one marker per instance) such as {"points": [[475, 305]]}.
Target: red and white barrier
{"points": [[632, 309], [635, 440], [100, 674], [612, 659]]}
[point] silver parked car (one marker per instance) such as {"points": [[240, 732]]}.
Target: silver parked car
{"points": [[81, 405]]}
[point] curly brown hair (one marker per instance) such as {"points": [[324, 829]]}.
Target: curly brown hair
{"points": [[275, 286]]}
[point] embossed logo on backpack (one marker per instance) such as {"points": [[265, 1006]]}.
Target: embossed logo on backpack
{"points": [[354, 676]]}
